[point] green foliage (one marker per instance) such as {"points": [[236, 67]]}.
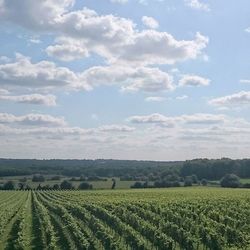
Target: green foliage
{"points": [[216, 169], [66, 185], [230, 180], [181, 218], [38, 178], [85, 185], [93, 169], [204, 182], [138, 184], [188, 181], [9, 185]]}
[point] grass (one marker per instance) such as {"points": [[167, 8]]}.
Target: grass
{"points": [[96, 184], [244, 181]]}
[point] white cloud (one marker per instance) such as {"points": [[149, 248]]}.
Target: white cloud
{"points": [[99, 33], [115, 128], [32, 120], [119, 1], [35, 40], [37, 99], [59, 129], [23, 73], [238, 99], [144, 2], [171, 121], [182, 97], [245, 81], [35, 15], [196, 4], [128, 46], [155, 118], [155, 99], [150, 22], [193, 80], [153, 47], [206, 58], [202, 118], [4, 59], [247, 30], [94, 117], [149, 80], [112, 37], [113, 141], [4, 92], [130, 79], [67, 50]]}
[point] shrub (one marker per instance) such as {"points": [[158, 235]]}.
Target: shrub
{"points": [[85, 186], [137, 184], [246, 185], [9, 185], [188, 181], [66, 185], [56, 178], [56, 186], [230, 180], [204, 182], [38, 178]]}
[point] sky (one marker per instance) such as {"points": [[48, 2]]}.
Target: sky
{"points": [[124, 79]]}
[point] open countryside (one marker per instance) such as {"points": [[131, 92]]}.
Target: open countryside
{"points": [[124, 125], [57, 204]]}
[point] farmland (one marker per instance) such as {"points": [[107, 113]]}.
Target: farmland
{"points": [[175, 218]]}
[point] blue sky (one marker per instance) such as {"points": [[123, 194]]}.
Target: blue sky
{"points": [[124, 79]]}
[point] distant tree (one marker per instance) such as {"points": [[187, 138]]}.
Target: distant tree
{"points": [[176, 184], [114, 184], [39, 187], [82, 178], [24, 179], [195, 178], [38, 178], [56, 187], [204, 182], [85, 185], [188, 181], [137, 184], [230, 180], [21, 186], [56, 178], [9, 185], [172, 178], [246, 185], [66, 185], [28, 187], [46, 187]]}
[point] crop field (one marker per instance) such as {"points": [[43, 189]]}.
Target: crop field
{"points": [[175, 218]]}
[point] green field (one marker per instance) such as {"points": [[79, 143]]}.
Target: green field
{"points": [[244, 181], [96, 184], [174, 218]]}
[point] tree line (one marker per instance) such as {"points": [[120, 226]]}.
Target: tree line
{"points": [[127, 170], [64, 185]]}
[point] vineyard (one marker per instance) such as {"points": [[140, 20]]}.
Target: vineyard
{"points": [[181, 218]]}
